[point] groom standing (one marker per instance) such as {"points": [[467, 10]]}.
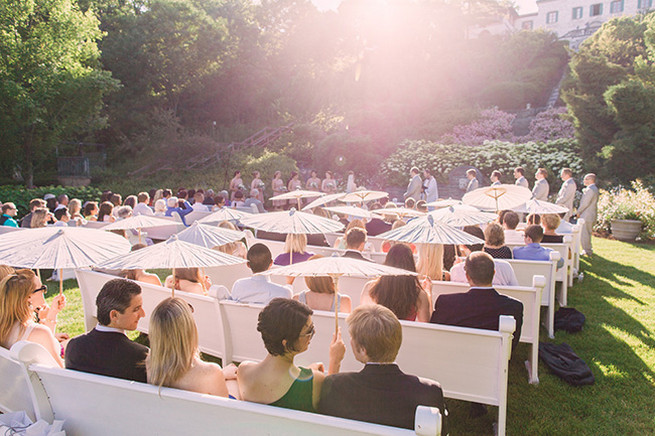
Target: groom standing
{"points": [[588, 211]]}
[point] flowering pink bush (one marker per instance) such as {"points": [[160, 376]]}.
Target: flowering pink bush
{"points": [[549, 125], [492, 124]]}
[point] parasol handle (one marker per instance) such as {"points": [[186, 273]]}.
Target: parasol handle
{"points": [[335, 279], [139, 229], [61, 281], [173, 288]]}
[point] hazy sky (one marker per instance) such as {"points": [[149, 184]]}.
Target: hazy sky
{"points": [[525, 6]]}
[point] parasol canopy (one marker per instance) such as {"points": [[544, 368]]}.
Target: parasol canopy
{"points": [[209, 236], [427, 230], [223, 214], [444, 203], [540, 207], [138, 222], [292, 221], [462, 215], [323, 200], [497, 197], [357, 212], [363, 196], [337, 266]]}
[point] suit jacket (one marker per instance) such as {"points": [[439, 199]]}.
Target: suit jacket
{"points": [[588, 209], [541, 189], [431, 189], [377, 226], [478, 308], [414, 188], [566, 195], [380, 394], [522, 181], [473, 185], [107, 353], [354, 254]]}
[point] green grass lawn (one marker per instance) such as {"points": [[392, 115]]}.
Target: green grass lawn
{"points": [[618, 343]]}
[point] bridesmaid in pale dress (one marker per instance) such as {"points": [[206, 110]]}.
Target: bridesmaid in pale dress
{"points": [[258, 185], [235, 183], [293, 185], [278, 189], [329, 185]]}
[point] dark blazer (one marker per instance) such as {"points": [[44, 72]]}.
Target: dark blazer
{"points": [[354, 254], [377, 226], [380, 394], [478, 308], [107, 353]]}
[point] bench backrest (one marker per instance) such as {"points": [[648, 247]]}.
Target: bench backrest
{"points": [[563, 250], [85, 401], [14, 388], [195, 216], [525, 270], [205, 309], [228, 274]]}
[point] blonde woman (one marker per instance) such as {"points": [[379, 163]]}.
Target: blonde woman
{"points": [[236, 248], [550, 222], [159, 194], [494, 242], [17, 313], [40, 217], [320, 295], [189, 280], [297, 245], [430, 262], [174, 358], [139, 275]]}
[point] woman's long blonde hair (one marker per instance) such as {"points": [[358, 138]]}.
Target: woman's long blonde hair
{"points": [[6, 270], [430, 261], [173, 342], [15, 291], [296, 243]]}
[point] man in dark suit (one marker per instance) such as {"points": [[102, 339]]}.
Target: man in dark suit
{"points": [[355, 242], [377, 226], [106, 350], [380, 393], [481, 306]]}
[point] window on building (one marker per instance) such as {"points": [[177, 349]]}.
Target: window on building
{"points": [[596, 9], [577, 13], [616, 6], [527, 25], [551, 17], [645, 4]]}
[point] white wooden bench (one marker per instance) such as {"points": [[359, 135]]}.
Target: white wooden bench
{"points": [[531, 299], [97, 405], [211, 338], [14, 387], [470, 364]]}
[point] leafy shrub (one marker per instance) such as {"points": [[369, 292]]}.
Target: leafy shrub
{"points": [[22, 196], [626, 204], [492, 124]]}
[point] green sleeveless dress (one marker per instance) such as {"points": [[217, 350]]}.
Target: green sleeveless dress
{"points": [[299, 395]]}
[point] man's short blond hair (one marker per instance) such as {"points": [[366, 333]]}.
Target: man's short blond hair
{"points": [[550, 221], [377, 330]]}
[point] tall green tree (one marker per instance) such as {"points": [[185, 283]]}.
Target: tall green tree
{"points": [[51, 86]]}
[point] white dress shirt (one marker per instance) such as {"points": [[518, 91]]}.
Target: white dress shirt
{"points": [[504, 275], [513, 237], [142, 209], [258, 289]]}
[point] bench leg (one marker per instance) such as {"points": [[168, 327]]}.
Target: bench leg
{"points": [[532, 364], [563, 296], [549, 322]]}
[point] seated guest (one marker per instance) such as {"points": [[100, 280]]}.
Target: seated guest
{"points": [[8, 217], [430, 262], [404, 295], [62, 216], [481, 306], [142, 208], [106, 350], [533, 218], [340, 243], [140, 275], [504, 275], [122, 212], [34, 204], [355, 243], [258, 288], [174, 359], [40, 218], [172, 205], [494, 242], [410, 203], [421, 206], [19, 292], [199, 202], [295, 244], [131, 201], [380, 393], [209, 199], [91, 211], [550, 222], [160, 207], [386, 245], [191, 280], [236, 248], [287, 329], [510, 222], [238, 200], [320, 295], [532, 250], [501, 217], [105, 212], [253, 199], [377, 226], [75, 210]]}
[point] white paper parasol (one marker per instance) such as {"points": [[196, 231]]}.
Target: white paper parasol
{"points": [[60, 248], [462, 215], [223, 214], [401, 212], [138, 222], [297, 195], [209, 236], [540, 207], [363, 196], [444, 203], [497, 197], [323, 200], [356, 212], [427, 230], [291, 221], [336, 267]]}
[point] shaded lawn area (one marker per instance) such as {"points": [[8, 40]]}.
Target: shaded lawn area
{"points": [[617, 296]]}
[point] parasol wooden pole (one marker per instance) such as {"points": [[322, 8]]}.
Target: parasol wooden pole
{"points": [[139, 229], [173, 290], [335, 279], [61, 281], [38, 273]]}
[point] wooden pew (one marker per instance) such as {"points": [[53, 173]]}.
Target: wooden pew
{"points": [[87, 401]]}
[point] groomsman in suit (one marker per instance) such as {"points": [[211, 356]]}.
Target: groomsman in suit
{"points": [[541, 188], [495, 178], [380, 393], [430, 187], [415, 185], [519, 175], [566, 194], [588, 211], [472, 175]]}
